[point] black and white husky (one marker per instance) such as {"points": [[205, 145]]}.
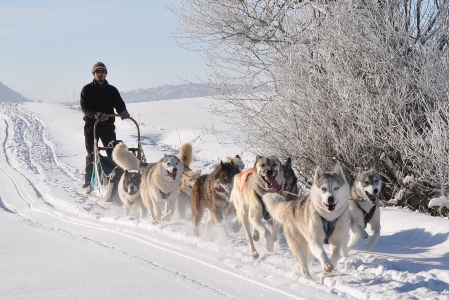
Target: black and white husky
{"points": [[129, 184], [364, 208]]}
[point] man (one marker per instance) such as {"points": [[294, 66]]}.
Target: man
{"points": [[98, 99]]}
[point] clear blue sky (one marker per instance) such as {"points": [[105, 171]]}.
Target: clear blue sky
{"points": [[48, 47]]}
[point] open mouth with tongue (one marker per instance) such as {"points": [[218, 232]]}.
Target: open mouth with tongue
{"points": [[221, 190], [172, 175], [330, 207], [272, 183], [372, 197]]}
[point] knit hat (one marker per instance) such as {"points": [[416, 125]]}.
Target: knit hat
{"points": [[99, 66]]}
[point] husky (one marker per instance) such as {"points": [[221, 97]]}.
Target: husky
{"points": [[250, 185], [364, 208], [129, 184], [290, 187], [322, 217], [188, 178], [160, 185], [237, 160], [212, 191]]}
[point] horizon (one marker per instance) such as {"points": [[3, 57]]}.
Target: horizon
{"points": [[51, 47]]}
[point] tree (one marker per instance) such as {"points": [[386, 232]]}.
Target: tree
{"points": [[359, 82]]}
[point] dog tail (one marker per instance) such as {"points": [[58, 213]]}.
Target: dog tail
{"points": [[275, 205], [186, 154], [125, 159]]}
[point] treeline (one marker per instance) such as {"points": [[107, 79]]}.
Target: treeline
{"points": [[167, 92]]}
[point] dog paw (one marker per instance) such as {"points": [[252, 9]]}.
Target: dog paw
{"points": [[254, 253], [328, 268], [256, 235], [364, 235]]}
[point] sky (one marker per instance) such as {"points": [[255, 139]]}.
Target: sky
{"points": [[48, 47], [56, 243]]}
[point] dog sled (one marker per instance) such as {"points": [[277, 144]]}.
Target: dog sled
{"points": [[106, 173]]}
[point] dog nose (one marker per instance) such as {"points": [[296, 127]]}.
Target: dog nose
{"points": [[175, 170], [270, 173], [330, 200], [376, 191]]}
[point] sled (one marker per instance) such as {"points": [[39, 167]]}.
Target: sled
{"points": [[106, 173]]}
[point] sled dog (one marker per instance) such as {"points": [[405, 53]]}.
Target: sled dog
{"points": [[188, 178], [237, 161], [322, 217], [129, 184], [364, 208], [211, 192], [250, 185], [290, 187], [160, 185]]}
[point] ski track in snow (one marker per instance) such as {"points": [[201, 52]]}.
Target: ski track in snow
{"points": [[30, 152]]}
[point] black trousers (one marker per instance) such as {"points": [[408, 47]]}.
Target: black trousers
{"points": [[105, 133]]}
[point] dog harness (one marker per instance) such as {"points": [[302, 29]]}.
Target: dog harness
{"points": [[244, 175], [367, 215], [164, 195], [328, 227]]}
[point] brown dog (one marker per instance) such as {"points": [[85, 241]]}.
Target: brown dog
{"points": [[188, 179], [212, 191]]}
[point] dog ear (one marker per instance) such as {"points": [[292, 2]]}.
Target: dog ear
{"points": [[288, 163], [318, 174], [339, 171], [237, 156]]}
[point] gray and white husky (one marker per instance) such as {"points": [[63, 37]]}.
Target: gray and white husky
{"points": [[129, 184], [364, 208], [320, 218], [160, 186]]}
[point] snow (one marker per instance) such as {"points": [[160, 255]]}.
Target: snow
{"points": [[56, 243]]}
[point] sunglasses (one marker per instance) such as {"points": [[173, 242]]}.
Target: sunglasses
{"points": [[99, 71]]}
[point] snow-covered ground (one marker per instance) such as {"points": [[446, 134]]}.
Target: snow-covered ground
{"points": [[56, 243]]}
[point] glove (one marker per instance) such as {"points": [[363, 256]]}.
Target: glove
{"points": [[124, 115], [101, 116]]}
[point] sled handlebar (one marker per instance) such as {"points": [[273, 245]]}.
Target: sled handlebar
{"points": [[117, 116]]}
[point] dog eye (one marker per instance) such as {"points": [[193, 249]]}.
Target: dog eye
{"points": [[336, 188], [324, 189], [366, 182]]}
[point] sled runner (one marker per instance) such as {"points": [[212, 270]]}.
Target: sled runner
{"points": [[106, 173]]}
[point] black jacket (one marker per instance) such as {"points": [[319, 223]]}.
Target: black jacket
{"points": [[105, 100]]}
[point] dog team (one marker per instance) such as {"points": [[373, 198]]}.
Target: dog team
{"points": [[262, 196]]}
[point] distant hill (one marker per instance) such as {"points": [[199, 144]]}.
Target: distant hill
{"points": [[167, 92], [8, 95]]}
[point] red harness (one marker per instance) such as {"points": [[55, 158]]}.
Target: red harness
{"points": [[245, 174]]}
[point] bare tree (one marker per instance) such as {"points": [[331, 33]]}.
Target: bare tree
{"points": [[364, 83]]}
